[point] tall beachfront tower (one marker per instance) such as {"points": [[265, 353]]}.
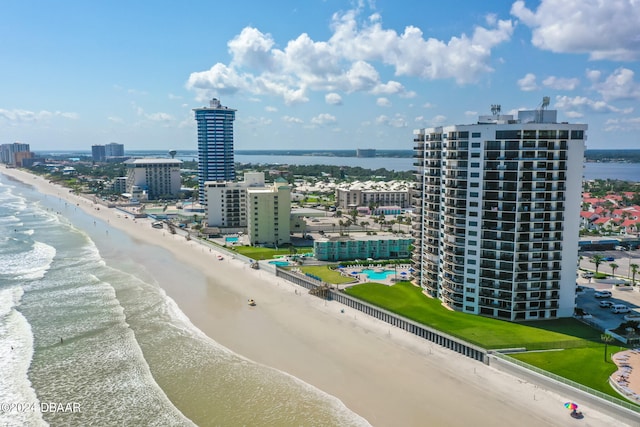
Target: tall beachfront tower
{"points": [[496, 212], [215, 145]]}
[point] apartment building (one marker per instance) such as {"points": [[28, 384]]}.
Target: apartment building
{"points": [[269, 214], [496, 214], [156, 177]]}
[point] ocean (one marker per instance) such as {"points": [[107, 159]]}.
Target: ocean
{"points": [[88, 336]]}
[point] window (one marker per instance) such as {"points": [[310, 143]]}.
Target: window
{"points": [[473, 204], [475, 164], [473, 233], [471, 261], [473, 213], [473, 243], [473, 194], [475, 184], [473, 223], [577, 134], [475, 154], [476, 135], [475, 174], [471, 271], [472, 252]]}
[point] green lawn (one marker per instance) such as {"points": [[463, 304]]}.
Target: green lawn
{"points": [[408, 301], [258, 253], [326, 274], [582, 365]]}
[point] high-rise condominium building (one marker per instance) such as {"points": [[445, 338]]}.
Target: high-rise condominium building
{"points": [[215, 145], [496, 213], [114, 149], [8, 153]]}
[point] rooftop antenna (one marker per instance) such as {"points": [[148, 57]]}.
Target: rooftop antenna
{"points": [[495, 109]]}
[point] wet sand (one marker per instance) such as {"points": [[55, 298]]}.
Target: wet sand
{"points": [[386, 375]]}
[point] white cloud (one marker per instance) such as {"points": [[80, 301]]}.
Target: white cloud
{"points": [[428, 105], [528, 83], [257, 121], [290, 119], [383, 102], [470, 113], [25, 116], [581, 103], [114, 119], [618, 85], [159, 117], [438, 120], [397, 121], [560, 83], [347, 60], [624, 124], [270, 109], [603, 29], [323, 119], [174, 97], [333, 99]]}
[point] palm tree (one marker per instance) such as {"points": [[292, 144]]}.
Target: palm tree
{"points": [[634, 270], [606, 339], [613, 266], [364, 224], [597, 260]]}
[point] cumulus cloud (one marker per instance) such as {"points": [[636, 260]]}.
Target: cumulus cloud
{"points": [[624, 124], [560, 83], [581, 103], [528, 83], [618, 85], [323, 119], [333, 99], [270, 109], [347, 61], [603, 29], [290, 119], [25, 116], [383, 102], [397, 121]]}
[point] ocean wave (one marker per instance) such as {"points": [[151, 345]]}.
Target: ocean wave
{"points": [[16, 352], [28, 265]]}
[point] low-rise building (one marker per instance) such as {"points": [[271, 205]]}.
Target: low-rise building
{"points": [[346, 248], [373, 193]]}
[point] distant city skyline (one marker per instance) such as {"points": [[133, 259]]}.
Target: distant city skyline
{"points": [[321, 74]]}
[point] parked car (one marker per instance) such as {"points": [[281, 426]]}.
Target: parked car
{"points": [[603, 294], [587, 275], [620, 308], [605, 304], [609, 258]]}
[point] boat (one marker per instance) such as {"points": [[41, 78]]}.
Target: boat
{"points": [[252, 302]]}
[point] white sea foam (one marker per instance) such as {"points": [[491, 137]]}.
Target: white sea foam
{"points": [[28, 265], [16, 352]]}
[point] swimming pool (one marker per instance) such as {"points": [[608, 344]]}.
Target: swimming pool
{"points": [[377, 275], [230, 239], [279, 263]]}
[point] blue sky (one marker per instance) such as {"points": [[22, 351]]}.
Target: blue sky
{"points": [[310, 74]]}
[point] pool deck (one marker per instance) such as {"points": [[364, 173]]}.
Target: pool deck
{"points": [[388, 280]]}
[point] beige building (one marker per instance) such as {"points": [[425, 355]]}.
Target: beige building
{"points": [[373, 193], [268, 214], [158, 178], [227, 202]]}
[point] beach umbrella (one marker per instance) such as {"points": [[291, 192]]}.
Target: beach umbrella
{"points": [[571, 405], [404, 273]]}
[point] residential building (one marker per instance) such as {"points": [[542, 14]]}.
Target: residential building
{"points": [[373, 194], [113, 150], [98, 153], [8, 153], [496, 214], [215, 145], [159, 178], [345, 248], [268, 214], [366, 152], [227, 202]]}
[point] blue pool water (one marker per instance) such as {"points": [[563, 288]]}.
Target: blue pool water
{"points": [[279, 263], [230, 239], [377, 275]]}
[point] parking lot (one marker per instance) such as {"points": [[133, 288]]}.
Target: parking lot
{"points": [[628, 296]]}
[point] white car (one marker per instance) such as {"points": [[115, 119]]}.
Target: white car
{"points": [[603, 294], [620, 308], [605, 303]]}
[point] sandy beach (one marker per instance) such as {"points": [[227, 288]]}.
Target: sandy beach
{"points": [[387, 376]]}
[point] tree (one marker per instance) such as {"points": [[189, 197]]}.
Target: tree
{"points": [[354, 215], [364, 224], [634, 270], [613, 266], [606, 339], [597, 260]]}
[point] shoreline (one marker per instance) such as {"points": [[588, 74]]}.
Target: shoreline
{"points": [[385, 375]]}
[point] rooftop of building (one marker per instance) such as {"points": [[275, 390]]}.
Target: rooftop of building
{"points": [[155, 161]]}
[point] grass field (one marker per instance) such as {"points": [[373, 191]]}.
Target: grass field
{"points": [[326, 274], [258, 253]]}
